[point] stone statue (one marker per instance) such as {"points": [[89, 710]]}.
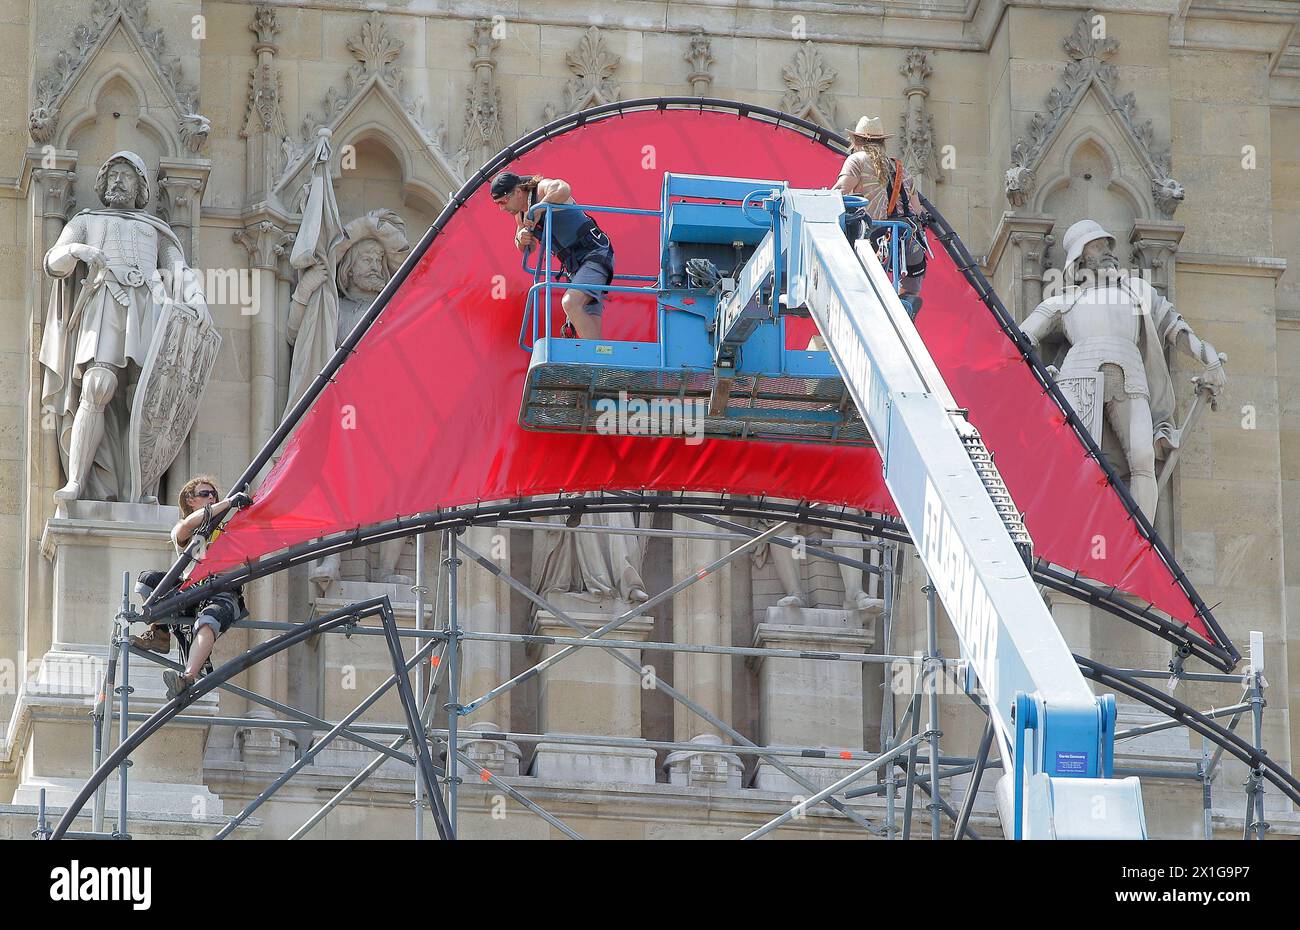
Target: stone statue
{"points": [[123, 400], [366, 255], [1117, 327], [362, 259], [787, 570], [600, 566], [379, 247], [343, 270]]}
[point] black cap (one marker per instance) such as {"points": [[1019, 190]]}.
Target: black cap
{"points": [[504, 183]]}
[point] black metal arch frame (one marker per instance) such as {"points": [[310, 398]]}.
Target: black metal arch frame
{"points": [[1257, 760], [166, 601], [346, 616], [699, 505]]}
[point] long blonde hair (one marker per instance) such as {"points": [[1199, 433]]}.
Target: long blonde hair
{"points": [[182, 499]]}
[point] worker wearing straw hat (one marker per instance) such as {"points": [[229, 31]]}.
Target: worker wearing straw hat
{"points": [[891, 195]]}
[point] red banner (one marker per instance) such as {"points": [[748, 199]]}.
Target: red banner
{"points": [[423, 415]]}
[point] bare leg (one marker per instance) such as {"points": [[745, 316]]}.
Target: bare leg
{"points": [[200, 649], [586, 324]]}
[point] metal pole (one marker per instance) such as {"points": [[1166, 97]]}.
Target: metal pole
{"points": [[924, 785], [42, 830], [915, 713], [714, 536], [648, 645], [97, 755], [952, 772], [453, 676], [1218, 752], [704, 714], [1255, 796], [420, 591], [932, 686], [612, 625], [704, 648], [347, 789], [316, 748], [1207, 814], [889, 732], [1170, 724], [526, 802], [423, 761], [818, 551], [573, 739], [124, 691], [886, 758], [973, 787], [1250, 805], [103, 714]]}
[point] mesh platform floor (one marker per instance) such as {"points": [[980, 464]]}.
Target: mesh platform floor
{"points": [[583, 399]]}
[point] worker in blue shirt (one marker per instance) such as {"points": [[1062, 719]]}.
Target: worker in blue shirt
{"points": [[582, 247]]}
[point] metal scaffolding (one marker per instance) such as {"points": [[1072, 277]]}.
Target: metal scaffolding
{"points": [[430, 740]]}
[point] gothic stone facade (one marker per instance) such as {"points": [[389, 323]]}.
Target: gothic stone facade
{"points": [[1177, 126]]}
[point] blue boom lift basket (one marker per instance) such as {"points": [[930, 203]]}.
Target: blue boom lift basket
{"points": [[748, 387]]}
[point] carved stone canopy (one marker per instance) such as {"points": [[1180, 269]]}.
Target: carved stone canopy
{"points": [[373, 105], [591, 82], [117, 40], [1088, 72]]}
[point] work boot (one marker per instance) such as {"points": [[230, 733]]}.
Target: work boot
{"points": [[176, 683], [158, 639]]}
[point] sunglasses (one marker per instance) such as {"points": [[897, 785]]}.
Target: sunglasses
{"points": [[209, 493]]}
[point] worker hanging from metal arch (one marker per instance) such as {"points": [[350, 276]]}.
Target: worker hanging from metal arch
{"points": [[202, 510], [890, 193], [582, 246]]}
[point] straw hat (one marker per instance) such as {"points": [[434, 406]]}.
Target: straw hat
{"points": [[870, 129]]}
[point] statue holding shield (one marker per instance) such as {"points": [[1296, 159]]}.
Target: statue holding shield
{"points": [[128, 348]]}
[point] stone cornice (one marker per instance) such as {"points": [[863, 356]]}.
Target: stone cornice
{"points": [[953, 24], [1218, 263]]}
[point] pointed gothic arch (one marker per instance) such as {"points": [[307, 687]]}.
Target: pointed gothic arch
{"points": [[118, 43], [1136, 200]]}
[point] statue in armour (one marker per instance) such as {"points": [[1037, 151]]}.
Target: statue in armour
{"points": [[99, 331], [1117, 327]]}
